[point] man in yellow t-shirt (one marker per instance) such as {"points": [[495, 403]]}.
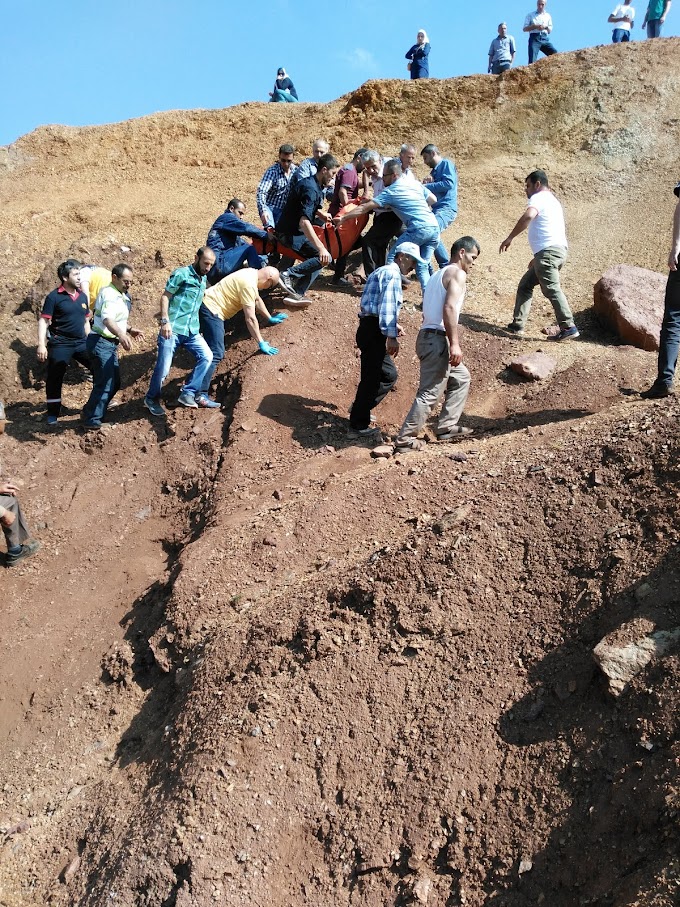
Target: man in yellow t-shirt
{"points": [[236, 292], [93, 279]]}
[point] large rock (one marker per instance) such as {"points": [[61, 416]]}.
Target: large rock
{"points": [[534, 366], [630, 300], [625, 652]]}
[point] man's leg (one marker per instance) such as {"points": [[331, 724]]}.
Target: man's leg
{"points": [[669, 341], [202, 353], [654, 28], [433, 352], [166, 350], [371, 342], [212, 329], [548, 47], [533, 48], [426, 240], [18, 532], [547, 265], [456, 394], [304, 273], [525, 289], [374, 243], [104, 367], [498, 68], [445, 217], [56, 369]]}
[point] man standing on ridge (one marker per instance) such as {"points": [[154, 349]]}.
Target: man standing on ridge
{"points": [[655, 17], [438, 348], [295, 228], [378, 336], [669, 341], [180, 303], [502, 51], [226, 241], [539, 26], [443, 183], [274, 187], [622, 19], [547, 236]]}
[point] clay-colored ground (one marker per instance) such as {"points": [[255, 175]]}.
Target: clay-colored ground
{"points": [[249, 665]]}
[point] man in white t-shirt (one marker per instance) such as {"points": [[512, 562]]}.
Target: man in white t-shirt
{"points": [[539, 25], [438, 348], [622, 18], [547, 236]]}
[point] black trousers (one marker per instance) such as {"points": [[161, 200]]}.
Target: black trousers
{"points": [[59, 356], [378, 372], [374, 244]]}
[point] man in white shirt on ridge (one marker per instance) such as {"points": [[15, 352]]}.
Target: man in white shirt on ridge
{"points": [[539, 26], [622, 19]]}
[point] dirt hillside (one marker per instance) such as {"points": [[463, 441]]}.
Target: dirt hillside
{"points": [[253, 665]]}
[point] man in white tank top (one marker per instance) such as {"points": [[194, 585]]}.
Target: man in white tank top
{"points": [[438, 348]]}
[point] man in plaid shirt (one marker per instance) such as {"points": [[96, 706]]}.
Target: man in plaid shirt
{"points": [[274, 187], [377, 336]]}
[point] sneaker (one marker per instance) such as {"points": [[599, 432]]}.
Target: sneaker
{"points": [[204, 402], [369, 432], [567, 334], [287, 285], [92, 423], [51, 420], [515, 329], [656, 392], [455, 433], [154, 407], [28, 549], [187, 399], [341, 282]]}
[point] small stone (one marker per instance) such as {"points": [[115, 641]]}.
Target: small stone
{"points": [[422, 888], [643, 591], [70, 870], [270, 541], [596, 478], [525, 865], [256, 731], [458, 457], [278, 495], [534, 366], [143, 514], [382, 451]]}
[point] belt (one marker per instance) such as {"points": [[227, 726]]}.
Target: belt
{"points": [[433, 331], [114, 340]]}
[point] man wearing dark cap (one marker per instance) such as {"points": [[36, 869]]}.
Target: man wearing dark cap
{"points": [[669, 341]]}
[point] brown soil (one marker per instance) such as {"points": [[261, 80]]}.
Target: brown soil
{"points": [[251, 665]]}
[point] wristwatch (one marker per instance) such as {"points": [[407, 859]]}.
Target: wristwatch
{"points": [[165, 321]]}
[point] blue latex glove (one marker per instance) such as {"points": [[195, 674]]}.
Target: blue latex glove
{"points": [[277, 319], [267, 349]]}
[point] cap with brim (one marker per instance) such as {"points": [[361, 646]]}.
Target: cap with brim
{"points": [[410, 248], [677, 190]]}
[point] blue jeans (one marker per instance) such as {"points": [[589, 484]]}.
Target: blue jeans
{"points": [[106, 371], [445, 217], [304, 273], [426, 238], [280, 94], [539, 42], [654, 28], [669, 341], [620, 35], [498, 68], [212, 328], [166, 350]]}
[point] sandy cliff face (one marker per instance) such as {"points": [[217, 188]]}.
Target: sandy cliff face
{"points": [[251, 664]]}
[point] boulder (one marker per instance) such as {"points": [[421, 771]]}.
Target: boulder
{"points": [[625, 652], [534, 366], [630, 300]]}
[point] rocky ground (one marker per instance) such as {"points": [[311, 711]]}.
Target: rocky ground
{"points": [[252, 664]]}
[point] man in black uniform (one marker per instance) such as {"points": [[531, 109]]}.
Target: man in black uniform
{"points": [[294, 228], [66, 312]]}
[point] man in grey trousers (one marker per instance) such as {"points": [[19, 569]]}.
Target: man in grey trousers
{"points": [[16, 532], [438, 348]]}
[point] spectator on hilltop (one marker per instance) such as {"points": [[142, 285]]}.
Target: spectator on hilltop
{"points": [[502, 51], [655, 17], [622, 18], [274, 187], [539, 25], [419, 66], [284, 90]]}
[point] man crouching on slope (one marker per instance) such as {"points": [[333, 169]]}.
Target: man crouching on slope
{"points": [[438, 348]]}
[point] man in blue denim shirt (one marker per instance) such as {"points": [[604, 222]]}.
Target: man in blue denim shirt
{"points": [[180, 303], [443, 183], [226, 240], [502, 51]]}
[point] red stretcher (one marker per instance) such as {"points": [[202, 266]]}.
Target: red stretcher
{"points": [[338, 240]]}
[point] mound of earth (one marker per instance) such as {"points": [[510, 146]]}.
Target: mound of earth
{"points": [[252, 664]]}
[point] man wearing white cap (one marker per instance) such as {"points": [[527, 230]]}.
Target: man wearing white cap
{"points": [[438, 348], [378, 333]]}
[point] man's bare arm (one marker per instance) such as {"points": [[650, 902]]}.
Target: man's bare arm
{"points": [[519, 227], [675, 244], [454, 284]]}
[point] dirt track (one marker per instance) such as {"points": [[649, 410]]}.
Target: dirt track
{"points": [[250, 665]]}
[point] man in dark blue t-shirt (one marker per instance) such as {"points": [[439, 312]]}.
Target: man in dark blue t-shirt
{"points": [[295, 227], [66, 312]]}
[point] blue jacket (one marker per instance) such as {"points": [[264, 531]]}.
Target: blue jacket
{"points": [[444, 185], [225, 239], [418, 54]]}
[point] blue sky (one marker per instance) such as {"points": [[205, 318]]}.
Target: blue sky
{"points": [[81, 62]]}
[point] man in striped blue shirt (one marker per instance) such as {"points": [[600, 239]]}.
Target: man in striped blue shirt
{"points": [[274, 187], [180, 303], [377, 335]]}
